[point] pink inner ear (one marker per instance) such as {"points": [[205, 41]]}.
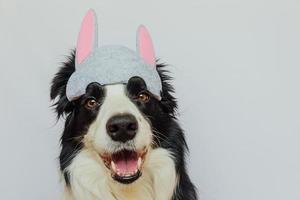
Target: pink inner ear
{"points": [[145, 46], [87, 37]]}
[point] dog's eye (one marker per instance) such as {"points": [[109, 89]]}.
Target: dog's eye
{"points": [[91, 104], [143, 97]]}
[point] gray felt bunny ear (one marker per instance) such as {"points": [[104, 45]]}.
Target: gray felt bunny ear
{"points": [[145, 46], [88, 37]]}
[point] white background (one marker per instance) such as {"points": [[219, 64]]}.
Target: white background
{"points": [[236, 68]]}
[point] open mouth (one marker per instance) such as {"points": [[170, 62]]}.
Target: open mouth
{"points": [[125, 166]]}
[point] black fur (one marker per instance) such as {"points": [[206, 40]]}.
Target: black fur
{"points": [[162, 115]]}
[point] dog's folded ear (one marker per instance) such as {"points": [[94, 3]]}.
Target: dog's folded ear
{"points": [[58, 86], [88, 37]]}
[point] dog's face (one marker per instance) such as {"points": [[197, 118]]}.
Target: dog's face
{"points": [[119, 128], [120, 122]]}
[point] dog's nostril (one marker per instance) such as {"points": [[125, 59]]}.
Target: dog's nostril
{"points": [[112, 128], [132, 127], [122, 127]]}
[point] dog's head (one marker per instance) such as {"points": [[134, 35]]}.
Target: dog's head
{"points": [[120, 121]]}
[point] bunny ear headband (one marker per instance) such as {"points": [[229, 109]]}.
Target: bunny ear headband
{"points": [[111, 64]]}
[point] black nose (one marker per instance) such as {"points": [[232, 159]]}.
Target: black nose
{"points": [[122, 127]]}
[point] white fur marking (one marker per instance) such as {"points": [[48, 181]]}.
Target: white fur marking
{"points": [[116, 102], [90, 180]]}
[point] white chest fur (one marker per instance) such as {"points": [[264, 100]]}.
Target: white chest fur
{"points": [[90, 180]]}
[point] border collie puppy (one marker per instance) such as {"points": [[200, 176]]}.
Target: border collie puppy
{"points": [[121, 141]]}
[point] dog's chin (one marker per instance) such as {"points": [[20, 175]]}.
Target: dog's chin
{"points": [[125, 166]]}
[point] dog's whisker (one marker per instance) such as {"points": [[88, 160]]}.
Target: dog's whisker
{"points": [[160, 137], [76, 138]]}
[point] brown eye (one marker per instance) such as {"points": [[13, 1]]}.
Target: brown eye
{"points": [[143, 97], [91, 104]]}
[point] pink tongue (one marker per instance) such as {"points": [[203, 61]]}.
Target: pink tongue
{"points": [[126, 166]]}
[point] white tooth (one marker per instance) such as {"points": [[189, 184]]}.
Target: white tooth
{"points": [[113, 166], [139, 163]]}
